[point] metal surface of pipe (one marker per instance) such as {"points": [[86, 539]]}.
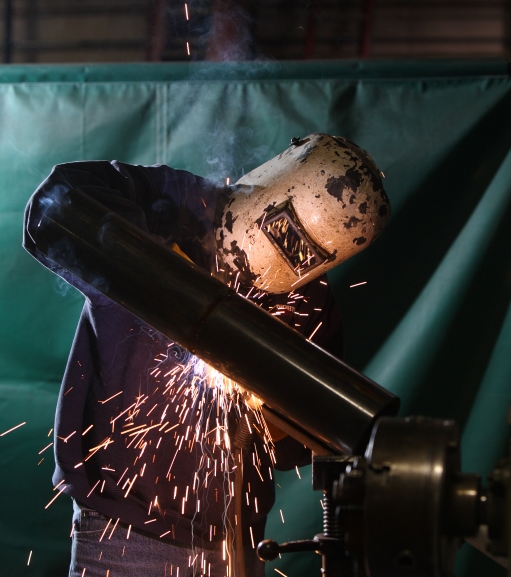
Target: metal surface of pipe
{"points": [[313, 395]]}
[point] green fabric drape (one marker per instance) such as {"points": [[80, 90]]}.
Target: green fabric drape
{"points": [[431, 321]]}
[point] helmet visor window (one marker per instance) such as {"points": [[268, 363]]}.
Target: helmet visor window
{"points": [[283, 230]]}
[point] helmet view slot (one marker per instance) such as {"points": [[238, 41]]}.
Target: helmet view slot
{"points": [[284, 230]]}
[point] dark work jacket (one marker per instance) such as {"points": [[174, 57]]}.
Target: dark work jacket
{"points": [[116, 383]]}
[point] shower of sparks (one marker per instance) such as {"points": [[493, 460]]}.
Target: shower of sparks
{"points": [[12, 429], [190, 406], [358, 284]]}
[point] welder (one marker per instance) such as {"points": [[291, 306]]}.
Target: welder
{"points": [[151, 494]]}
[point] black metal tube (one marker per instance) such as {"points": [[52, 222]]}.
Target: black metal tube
{"points": [[317, 397]]}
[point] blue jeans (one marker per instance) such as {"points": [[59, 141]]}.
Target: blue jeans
{"points": [[97, 551]]}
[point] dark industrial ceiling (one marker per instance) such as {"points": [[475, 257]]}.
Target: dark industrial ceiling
{"points": [[48, 31]]}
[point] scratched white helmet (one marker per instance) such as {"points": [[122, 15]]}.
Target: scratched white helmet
{"points": [[301, 213]]}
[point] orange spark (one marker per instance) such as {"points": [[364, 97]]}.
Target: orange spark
{"points": [[315, 331], [57, 495], [47, 447], [13, 428], [110, 398]]}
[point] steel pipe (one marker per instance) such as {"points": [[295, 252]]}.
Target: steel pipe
{"points": [[311, 394]]}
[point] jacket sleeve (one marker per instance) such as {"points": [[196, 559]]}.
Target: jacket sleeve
{"points": [[173, 205]]}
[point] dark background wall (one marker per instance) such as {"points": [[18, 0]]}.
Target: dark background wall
{"points": [[164, 30]]}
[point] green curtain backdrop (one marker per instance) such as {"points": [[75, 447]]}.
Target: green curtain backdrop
{"points": [[432, 321]]}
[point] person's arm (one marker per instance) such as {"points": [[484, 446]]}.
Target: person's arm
{"points": [[173, 205]]}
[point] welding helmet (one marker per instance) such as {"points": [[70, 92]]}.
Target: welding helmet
{"points": [[295, 217]]}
